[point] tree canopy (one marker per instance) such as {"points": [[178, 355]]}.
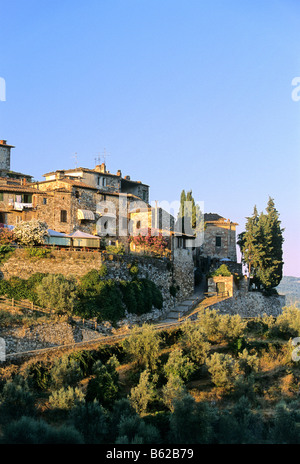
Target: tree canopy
{"points": [[188, 219], [261, 247]]}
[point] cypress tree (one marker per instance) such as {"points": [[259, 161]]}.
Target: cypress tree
{"points": [[270, 272], [261, 247], [189, 213], [180, 218], [250, 244]]}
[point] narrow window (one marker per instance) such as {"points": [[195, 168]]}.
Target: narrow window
{"points": [[44, 201], [63, 215], [218, 241], [1, 196]]}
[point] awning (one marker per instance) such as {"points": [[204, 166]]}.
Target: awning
{"points": [[85, 214]]}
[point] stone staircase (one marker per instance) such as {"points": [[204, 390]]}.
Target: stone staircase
{"points": [[184, 307], [191, 306]]}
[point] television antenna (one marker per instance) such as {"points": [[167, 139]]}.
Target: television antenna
{"points": [[101, 157], [75, 157]]}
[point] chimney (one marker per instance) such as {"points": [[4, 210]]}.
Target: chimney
{"points": [[2, 142], [127, 177], [119, 173], [101, 168], [59, 174]]}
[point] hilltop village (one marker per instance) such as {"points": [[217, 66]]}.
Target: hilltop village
{"points": [[93, 208], [101, 204]]}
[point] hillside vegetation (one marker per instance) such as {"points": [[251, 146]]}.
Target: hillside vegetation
{"points": [[220, 379]]}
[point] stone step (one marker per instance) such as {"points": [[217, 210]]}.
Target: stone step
{"points": [[174, 314]]}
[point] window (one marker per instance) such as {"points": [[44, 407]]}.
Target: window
{"points": [[218, 241], [26, 198], [138, 224], [44, 201], [63, 215], [102, 181], [1, 196]]}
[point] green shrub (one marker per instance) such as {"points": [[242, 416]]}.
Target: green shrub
{"points": [[286, 425], [16, 400], [173, 391], [103, 385], [287, 323], [116, 249], [194, 342], [221, 271], [134, 430], [103, 270], [143, 393], [57, 292], [134, 270], [31, 431], [223, 368], [38, 252], [218, 327], [191, 422], [5, 252], [107, 299], [38, 375], [65, 372], [90, 419], [143, 345], [179, 365], [65, 398]]}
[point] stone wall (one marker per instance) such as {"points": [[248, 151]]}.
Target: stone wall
{"points": [[162, 272], [225, 246], [251, 305], [183, 272], [36, 337], [5, 157]]}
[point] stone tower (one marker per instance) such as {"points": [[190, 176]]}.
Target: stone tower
{"points": [[5, 155]]}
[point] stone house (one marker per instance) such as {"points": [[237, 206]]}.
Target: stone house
{"points": [[219, 238], [103, 180], [67, 205], [16, 201], [5, 165]]}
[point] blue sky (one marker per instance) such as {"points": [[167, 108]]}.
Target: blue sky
{"points": [[182, 94]]}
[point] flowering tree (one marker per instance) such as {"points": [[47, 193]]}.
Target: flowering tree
{"points": [[6, 236], [30, 233], [150, 243]]}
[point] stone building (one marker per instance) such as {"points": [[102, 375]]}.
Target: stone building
{"points": [[5, 166], [67, 205], [103, 180], [16, 201], [219, 238]]}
